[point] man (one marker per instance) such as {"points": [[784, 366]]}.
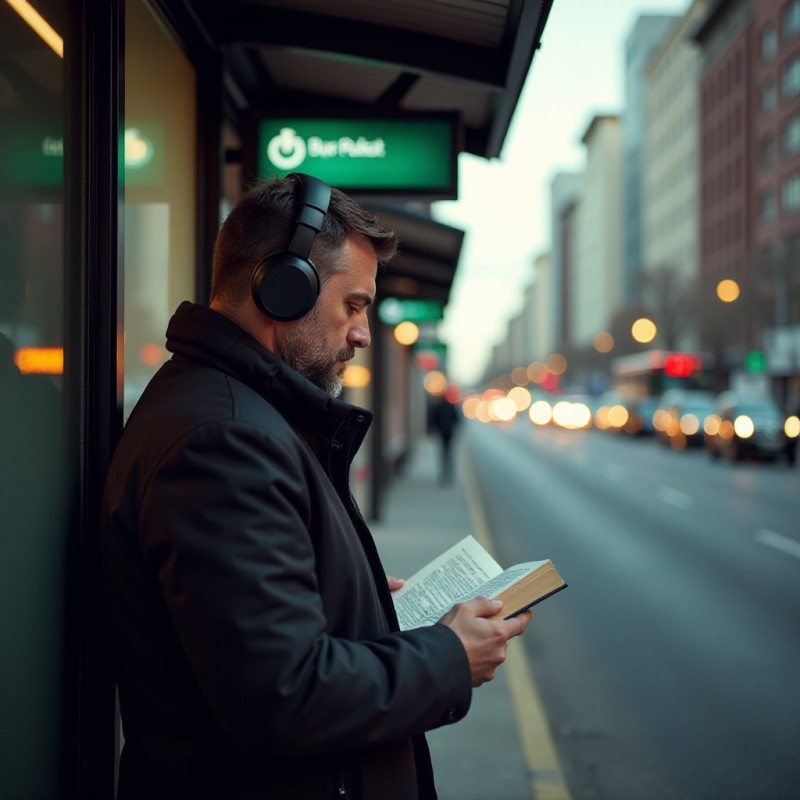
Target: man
{"points": [[258, 651], [443, 420]]}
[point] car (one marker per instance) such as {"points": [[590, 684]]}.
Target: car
{"points": [[640, 416], [610, 413], [751, 427], [683, 419], [679, 418]]}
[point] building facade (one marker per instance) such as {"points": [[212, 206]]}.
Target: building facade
{"points": [[565, 190], [670, 205], [776, 185], [728, 109], [645, 37], [595, 277], [541, 310], [775, 149]]}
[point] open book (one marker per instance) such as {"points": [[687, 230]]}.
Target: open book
{"points": [[465, 571]]}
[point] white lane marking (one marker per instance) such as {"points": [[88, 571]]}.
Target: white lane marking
{"points": [[778, 542], [674, 497], [614, 472]]}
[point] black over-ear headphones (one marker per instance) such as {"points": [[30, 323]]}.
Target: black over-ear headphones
{"points": [[285, 284]]}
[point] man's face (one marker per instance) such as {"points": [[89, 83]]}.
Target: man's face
{"points": [[320, 344]]}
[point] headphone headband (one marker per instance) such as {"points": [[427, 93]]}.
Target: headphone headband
{"points": [[285, 285], [315, 196]]}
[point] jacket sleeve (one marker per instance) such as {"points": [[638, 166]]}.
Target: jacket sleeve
{"points": [[224, 523]]}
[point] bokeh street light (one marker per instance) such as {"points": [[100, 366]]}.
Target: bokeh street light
{"points": [[603, 342], [644, 330], [728, 290], [406, 333], [556, 363], [435, 382]]}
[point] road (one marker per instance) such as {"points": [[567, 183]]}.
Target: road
{"points": [[670, 667]]}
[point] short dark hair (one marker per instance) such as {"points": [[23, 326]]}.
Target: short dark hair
{"points": [[262, 222]]}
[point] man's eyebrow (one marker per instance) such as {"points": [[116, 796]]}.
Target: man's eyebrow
{"points": [[366, 299]]}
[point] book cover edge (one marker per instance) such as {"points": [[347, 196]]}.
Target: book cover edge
{"points": [[538, 600]]}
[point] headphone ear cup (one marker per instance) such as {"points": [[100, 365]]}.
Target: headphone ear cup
{"points": [[285, 286]]}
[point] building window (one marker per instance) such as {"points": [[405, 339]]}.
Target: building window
{"points": [[769, 208], [769, 97], [791, 20], [767, 153], [769, 43], [791, 136], [790, 79], [790, 194]]}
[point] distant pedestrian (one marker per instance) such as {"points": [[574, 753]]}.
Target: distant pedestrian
{"points": [[443, 420]]}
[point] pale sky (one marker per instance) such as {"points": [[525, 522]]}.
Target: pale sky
{"points": [[503, 204]]}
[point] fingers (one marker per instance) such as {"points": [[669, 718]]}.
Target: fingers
{"points": [[395, 583], [484, 633], [484, 607], [519, 623]]}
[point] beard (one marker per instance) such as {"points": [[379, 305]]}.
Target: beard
{"points": [[305, 349]]}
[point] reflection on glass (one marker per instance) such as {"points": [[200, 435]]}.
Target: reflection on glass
{"points": [[159, 147], [32, 480]]}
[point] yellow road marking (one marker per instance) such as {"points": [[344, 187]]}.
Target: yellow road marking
{"points": [[547, 779]]}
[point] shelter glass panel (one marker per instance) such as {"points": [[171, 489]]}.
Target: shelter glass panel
{"points": [[33, 533]]}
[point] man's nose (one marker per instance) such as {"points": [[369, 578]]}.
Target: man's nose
{"points": [[358, 335]]}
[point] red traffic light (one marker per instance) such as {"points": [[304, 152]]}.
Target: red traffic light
{"points": [[680, 365]]}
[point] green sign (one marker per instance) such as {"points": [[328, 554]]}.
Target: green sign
{"points": [[755, 361], [414, 154], [392, 311]]}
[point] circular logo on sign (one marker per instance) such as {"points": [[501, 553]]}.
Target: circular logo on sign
{"points": [[287, 150]]}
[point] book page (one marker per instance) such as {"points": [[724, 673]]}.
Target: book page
{"points": [[454, 576]]}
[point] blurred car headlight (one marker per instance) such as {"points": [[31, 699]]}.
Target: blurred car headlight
{"points": [[689, 424], [792, 427], [571, 415], [502, 410], [672, 427], [743, 426], [521, 398], [482, 411], [712, 424], [601, 418], [581, 415], [540, 412], [617, 416]]}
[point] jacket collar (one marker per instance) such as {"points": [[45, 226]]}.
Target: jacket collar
{"points": [[201, 334]]}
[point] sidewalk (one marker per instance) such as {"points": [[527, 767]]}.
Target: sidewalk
{"points": [[481, 757]]}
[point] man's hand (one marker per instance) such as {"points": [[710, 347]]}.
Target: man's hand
{"points": [[395, 583], [483, 638]]}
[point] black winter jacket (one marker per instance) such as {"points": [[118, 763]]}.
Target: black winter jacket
{"points": [[257, 650]]}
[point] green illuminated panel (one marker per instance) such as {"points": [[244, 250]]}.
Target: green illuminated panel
{"points": [[392, 311], [359, 153]]}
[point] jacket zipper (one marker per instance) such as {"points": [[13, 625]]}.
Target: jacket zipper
{"points": [[342, 787]]}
